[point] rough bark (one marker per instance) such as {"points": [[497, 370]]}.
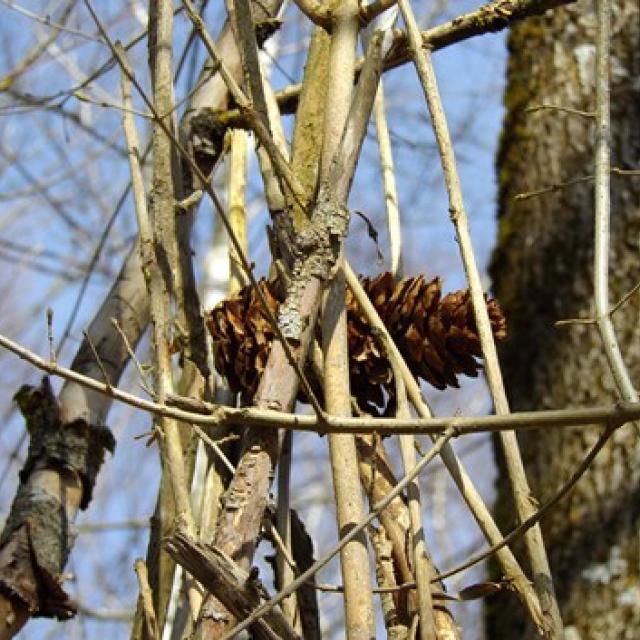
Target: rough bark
{"points": [[542, 271]]}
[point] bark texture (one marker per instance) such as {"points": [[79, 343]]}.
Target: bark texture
{"points": [[542, 272]]}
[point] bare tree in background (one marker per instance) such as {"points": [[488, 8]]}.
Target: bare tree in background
{"points": [[352, 350], [543, 273]]}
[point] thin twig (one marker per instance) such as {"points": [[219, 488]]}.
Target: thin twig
{"points": [[212, 415], [282, 547], [83, 97], [216, 447], [572, 321], [588, 321], [47, 22], [535, 518], [98, 359], [625, 298], [527, 195], [389, 182], [602, 169], [552, 107], [134, 358]]}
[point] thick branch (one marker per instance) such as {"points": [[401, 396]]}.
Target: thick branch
{"points": [[354, 558]]}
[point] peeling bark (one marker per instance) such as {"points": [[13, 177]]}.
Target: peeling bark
{"points": [[56, 481]]}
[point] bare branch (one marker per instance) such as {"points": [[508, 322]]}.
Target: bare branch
{"points": [[240, 592], [208, 414], [602, 170], [354, 558]]}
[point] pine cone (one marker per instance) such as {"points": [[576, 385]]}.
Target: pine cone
{"points": [[243, 336], [436, 335]]}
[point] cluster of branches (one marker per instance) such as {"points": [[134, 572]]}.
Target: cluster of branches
{"points": [[306, 188]]}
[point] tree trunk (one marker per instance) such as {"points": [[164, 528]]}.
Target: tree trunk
{"points": [[542, 272]]}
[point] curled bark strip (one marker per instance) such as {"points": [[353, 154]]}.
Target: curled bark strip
{"points": [[57, 479]]}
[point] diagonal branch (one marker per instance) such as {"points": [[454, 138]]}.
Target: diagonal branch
{"points": [[552, 623], [241, 592]]}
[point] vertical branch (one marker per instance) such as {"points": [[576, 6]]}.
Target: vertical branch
{"points": [[525, 503], [385, 574], [421, 565], [158, 243], [305, 160], [389, 182], [171, 273], [306, 145], [237, 206], [284, 572], [354, 557], [385, 22], [602, 173], [157, 285]]}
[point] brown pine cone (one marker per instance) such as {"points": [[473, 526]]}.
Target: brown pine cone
{"points": [[243, 335], [436, 335]]}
